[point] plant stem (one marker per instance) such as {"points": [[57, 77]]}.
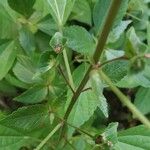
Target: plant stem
{"points": [[80, 130], [68, 69], [48, 137], [67, 82], [125, 100], [134, 17], [99, 49]]}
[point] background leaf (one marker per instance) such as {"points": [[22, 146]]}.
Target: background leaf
{"points": [[27, 118], [7, 24], [7, 57], [142, 100], [82, 12], [33, 95], [23, 7]]}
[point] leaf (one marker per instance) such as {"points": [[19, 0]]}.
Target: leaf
{"points": [[116, 70], [113, 54], [136, 5], [142, 100], [42, 7], [27, 118], [60, 10], [23, 7], [47, 25], [58, 42], [15, 82], [7, 22], [100, 12], [97, 88], [12, 139], [82, 12], [110, 134], [7, 89], [79, 40], [86, 104], [133, 45], [25, 70], [138, 79], [33, 95], [121, 13], [148, 34], [117, 31], [26, 39], [136, 138], [7, 57]]}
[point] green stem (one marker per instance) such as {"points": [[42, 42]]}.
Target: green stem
{"points": [[134, 17], [67, 63], [48, 137], [68, 69], [99, 49], [125, 100]]}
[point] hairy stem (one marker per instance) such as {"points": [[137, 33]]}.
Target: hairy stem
{"points": [[68, 69], [99, 49], [48, 137], [125, 100]]}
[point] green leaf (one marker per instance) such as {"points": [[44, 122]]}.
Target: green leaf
{"points": [[136, 5], [42, 7], [113, 54], [100, 12], [116, 70], [142, 100], [97, 88], [110, 135], [25, 70], [58, 42], [12, 139], [118, 31], [134, 80], [7, 57], [23, 7], [47, 25], [79, 40], [15, 82], [8, 27], [86, 104], [26, 39], [7, 89], [148, 34], [121, 13], [33, 95], [60, 10], [137, 138], [27, 118], [82, 12], [133, 45]]}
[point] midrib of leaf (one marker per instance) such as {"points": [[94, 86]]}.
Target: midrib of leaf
{"points": [[59, 18], [57, 13]]}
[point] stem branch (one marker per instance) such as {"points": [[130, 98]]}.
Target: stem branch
{"points": [[48, 137], [68, 69], [125, 100]]}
